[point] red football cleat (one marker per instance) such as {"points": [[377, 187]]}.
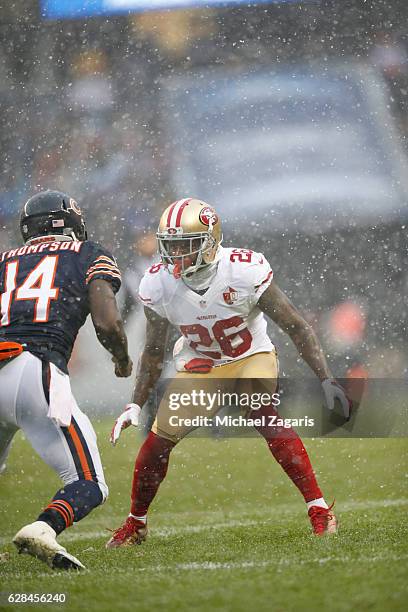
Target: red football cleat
{"points": [[131, 532], [323, 520]]}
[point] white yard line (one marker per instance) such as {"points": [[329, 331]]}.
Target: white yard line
{"points": [[211, 565], [238, 565], [269, 514]]}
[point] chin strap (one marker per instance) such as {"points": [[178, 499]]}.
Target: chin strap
{"points": [[201, 279], [177, 268]]}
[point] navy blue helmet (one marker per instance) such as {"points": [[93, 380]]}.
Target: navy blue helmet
{"points": [[50, 213]]}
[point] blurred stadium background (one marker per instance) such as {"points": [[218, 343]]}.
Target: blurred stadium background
{"points": [[291, 118]]}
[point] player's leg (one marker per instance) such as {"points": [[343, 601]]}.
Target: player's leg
{"points": [[286, 446], [289, 451], [170, 426], [150, 470], [9, 379], [6, 438], [73, 454], [80, 468], [153, 458]]}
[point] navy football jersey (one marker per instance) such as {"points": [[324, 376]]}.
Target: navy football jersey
{"points": [[44, 294]]}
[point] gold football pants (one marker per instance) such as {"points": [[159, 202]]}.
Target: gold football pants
{"points": [[183, 397]]}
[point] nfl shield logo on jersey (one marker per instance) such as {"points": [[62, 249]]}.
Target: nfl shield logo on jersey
{"points": [[230, 296]]}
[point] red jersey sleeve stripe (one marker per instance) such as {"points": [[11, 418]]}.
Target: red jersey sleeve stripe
{"points": [[265, 280]]}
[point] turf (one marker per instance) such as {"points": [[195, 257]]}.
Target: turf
{"points": [[228, 531]]}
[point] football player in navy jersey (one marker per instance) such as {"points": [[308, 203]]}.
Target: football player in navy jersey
{"points": [[48, 287]]}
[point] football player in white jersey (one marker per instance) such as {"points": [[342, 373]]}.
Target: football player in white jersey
{"points": [[217, 297]]}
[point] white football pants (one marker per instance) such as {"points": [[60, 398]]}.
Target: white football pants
{"points": [[71, 451]]}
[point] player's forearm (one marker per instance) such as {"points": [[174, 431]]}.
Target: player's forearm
{"points": [[113, 339], [309, 348], [148, 373], [106, 320], [278, 307], [128, 308]]}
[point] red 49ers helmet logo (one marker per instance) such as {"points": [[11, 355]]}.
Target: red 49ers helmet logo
{"points": [[208, 216]]}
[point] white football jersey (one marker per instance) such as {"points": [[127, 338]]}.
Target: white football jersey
{"points": [[225, 323]]}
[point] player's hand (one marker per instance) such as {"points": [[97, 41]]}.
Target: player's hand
{"points": [[123, 369], [129, 417], [332, 391]]}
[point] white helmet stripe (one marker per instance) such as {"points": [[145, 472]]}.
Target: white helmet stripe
{"points": [[174, 216]]}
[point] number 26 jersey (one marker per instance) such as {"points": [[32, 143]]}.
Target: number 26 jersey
{"points": [[224, 323]]}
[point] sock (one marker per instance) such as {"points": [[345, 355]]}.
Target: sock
{"points": [[142, 519], [317, 502], [288, 450], [150, 469], [71, 504]]}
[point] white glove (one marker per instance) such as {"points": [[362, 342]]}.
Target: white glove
{"points": [[332, 391], [130, 416], [182, 354]]}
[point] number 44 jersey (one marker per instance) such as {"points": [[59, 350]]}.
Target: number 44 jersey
{"points": [[44, 294], [224, 323]]}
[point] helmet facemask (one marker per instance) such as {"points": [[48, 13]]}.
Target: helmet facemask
{"points": [[187, 252]]}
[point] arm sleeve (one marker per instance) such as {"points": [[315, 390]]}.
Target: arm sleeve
{"points": [[261, 277], [151, 293], [102, 264]]}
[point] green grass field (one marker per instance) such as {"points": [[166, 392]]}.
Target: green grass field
{"points": [[228, 531]]}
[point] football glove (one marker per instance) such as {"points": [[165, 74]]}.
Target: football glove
{"points": [[332, 391], [130, 416]]}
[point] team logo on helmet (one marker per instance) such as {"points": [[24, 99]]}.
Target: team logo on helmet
{"points": [[74, 206], [208, 216], [174, 230]]}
